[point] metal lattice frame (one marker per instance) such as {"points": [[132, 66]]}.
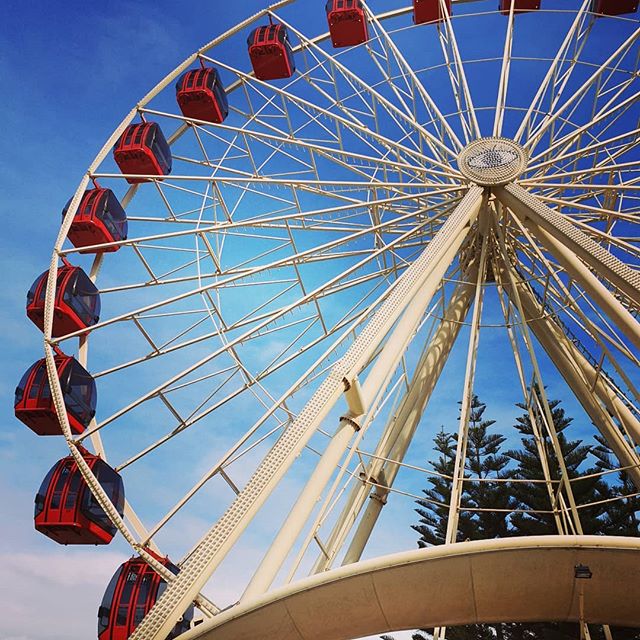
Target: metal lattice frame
{"points": [[322, 231]]}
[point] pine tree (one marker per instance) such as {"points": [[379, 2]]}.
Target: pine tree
{"points": [[622, 515], [434, 508], [534, 496], [484, 460], [597, 519]]}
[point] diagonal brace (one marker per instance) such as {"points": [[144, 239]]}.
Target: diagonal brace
{"points": [[525, 205], [217, 542]]}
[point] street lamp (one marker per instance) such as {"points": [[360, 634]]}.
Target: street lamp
{"points": [[582, 572]]}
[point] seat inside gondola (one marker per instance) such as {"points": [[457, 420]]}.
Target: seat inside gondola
{"points": [[270, 52], [65, 509], [131, 593], [99, 219], [76, 305], [33, 403], [142, 149], [201, 96]]}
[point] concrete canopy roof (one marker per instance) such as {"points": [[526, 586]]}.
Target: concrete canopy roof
{"points": [[528, 579]]}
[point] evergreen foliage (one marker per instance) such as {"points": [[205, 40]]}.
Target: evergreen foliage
{"points": [[534, 496], [434, 508], [621, 517], [484, 459], [523, 508]]}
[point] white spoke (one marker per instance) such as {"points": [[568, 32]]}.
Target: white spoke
{"points": [[457, 76], [554, 70], [504, 74], [282, 302]]}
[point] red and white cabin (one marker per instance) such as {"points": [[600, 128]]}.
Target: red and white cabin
{"points": [[426, 11], [77, 302], [33, 403], [132, 591], [614, 7], [66, 511], [347, 22], [270, 52], [99, 219], [519, 6], [143, 150], [201, 96]]}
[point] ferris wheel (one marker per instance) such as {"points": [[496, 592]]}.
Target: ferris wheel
{"points": [[267, 267]]}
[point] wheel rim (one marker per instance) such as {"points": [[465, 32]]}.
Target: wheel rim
{"points": [[318, 251]]}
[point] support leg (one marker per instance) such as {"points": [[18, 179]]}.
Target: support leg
{"points": [[217, 542], [525, 205]]}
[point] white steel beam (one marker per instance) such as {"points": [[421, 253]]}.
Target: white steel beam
{"points": [[403, 64], [525, 205], [302, 256], [588, 387], [267, 321], [558, 61], [216, 543], [527, 397], [598, 292], [394, 112], [402, 426], [378, 378], [346, 327], [350, 123], [451, 535], [501, 99], [538, 391], [578, 94]]}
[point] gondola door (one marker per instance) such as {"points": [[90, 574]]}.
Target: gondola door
{"points": [[57, 507]]}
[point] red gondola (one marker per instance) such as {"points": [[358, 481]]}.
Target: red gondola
{"points": [[77, 303], [519, 6], [133, 590], [100, 218], [425, 11], [614, 7], [347, 22], [66, 510], [33, 403], [142, 149], [201, 96], [270, 52]]}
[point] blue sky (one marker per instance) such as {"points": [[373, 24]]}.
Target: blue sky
{"points": [[69, 74]]}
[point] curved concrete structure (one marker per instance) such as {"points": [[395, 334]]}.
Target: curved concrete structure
{"points": [[528, 579]]}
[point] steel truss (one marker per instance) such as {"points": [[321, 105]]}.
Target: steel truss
{"points": [[322, 244]]}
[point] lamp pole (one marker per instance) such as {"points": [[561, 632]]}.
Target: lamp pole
{"points": [[582, 573]]}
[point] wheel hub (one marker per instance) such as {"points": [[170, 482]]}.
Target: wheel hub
{"points": [[490, 162]]}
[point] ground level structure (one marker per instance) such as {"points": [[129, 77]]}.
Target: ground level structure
{"points": [[527, 579]]}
